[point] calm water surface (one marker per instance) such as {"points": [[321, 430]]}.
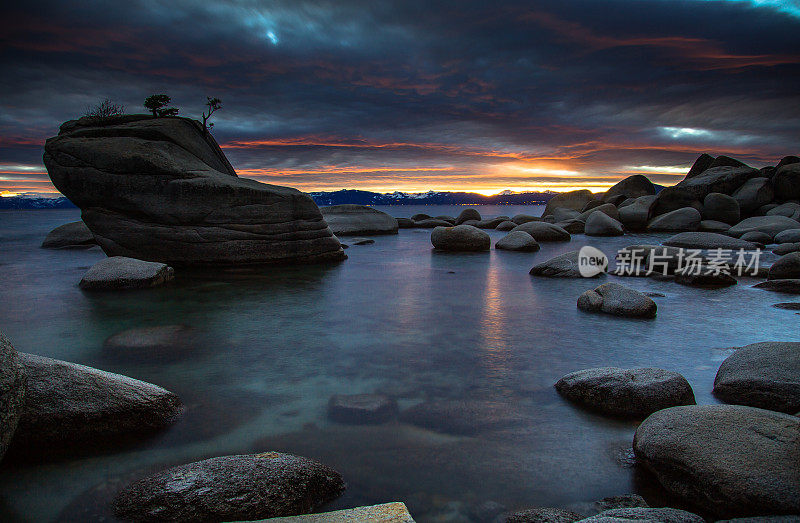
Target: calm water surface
{"points": [[395, 318]]}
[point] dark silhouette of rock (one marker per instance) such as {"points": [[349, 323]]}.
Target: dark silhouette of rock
{"points": [[468, 214], [562, 266], [601, 224], [358, 220], [685, 219], [721, 207], [119, 272], [702, 163], [753, 194], [631, 187], [617, 300], [575, 200], [12, 392], [635, 215], [785, 286], [74, 235], [787, 182], [673, 198], [517, 241], [786, 268], [160, 189]]}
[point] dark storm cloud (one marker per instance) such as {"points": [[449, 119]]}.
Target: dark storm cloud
{"points": [[418, 95]]}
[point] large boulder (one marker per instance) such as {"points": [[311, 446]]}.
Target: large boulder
{"points": [[786, 268], [73, 235], [787, 182], [786, 160], [468, 214], [724, 179], [788, 236], [12, 392], [72, 409], [160, 189], [575, 200], [542, 515], [395, 512], [644, 515], [708, 240], [517, 241], [562, 266], [231, 488], [631, 187], [755, 193], [544, 232], [702, 163], [635, 215], [729, 460], [788, 209], [685, 219], [634, 393], [721, 207], [617, 300], [765, 375], [607, 208], [119, 272], [771, 225], [726, 161], [358, 220], [460, 238], [601, 224], [673, 198]]}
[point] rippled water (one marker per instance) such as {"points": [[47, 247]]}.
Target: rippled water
{"points": [[395, 317]]}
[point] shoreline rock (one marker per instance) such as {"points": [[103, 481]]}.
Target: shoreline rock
{"points": [[461, 238], [119, 272], [618, 300], [73, 235], [358, 220], [12, 392]]}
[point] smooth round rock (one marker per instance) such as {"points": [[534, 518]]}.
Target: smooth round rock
{"points": [[754, 193], [562, 266], [633, 393], [786, 248], [730, 460], [721, 207], [517, 241], [361, 409], [645, 515], [635, 215], [684, 219], [461, 238], [468, 214], [231, 488], [771, 225], [358, 220], [119, 272], [544, 232], [786, 268], [506, 226], [791, 286], [519, 219], [708, 240], [618, 300], [714, 226], [431, 223], [12, 392], [601, 224], [542, 515], [765, 375], [575, 200], [74, 235], [756, 237], [788, 236]]}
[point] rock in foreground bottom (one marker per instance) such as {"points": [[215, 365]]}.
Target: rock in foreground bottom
{"points": [[231, 488], [461, 238], [74, 235], [730, 460], [386, 513], [119, 272], [617, 300], [12, 392]]}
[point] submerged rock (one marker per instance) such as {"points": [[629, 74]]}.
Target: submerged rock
{"points": [[517, 241], [632, 393], [730, 460], [460, 238], [12, 392], [72, 409], [74, 235], [160, 189], [562, 266], [703, 277], [765, 375], [708, 240], [119, 272], [462, 417], [771, 225], [617, 300], [358, 220], [786, 286], [159, 343], [362, 241], [786, 268], [358, 409], [385, 513], [544, 232], [231, 488]]}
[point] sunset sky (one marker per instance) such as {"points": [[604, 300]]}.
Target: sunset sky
{"points": [[419, 95]]}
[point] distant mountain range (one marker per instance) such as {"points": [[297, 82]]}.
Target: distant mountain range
{"points": [[35, 202]]}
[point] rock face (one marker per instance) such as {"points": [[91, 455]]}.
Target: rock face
{"points": [[721, 207], [74, 235], [562, 266], [385, 513], [231, 488], [702, 163], [674, 198], [646, 515], [468, 214], [601, 224], [544, 232], [460, 238], [728, 459], [607, 208], [707, 240], [765, 375], [771, 225], [12, 392], [722, 179], [160, 189], [72, 409], [631, 187], [119, 272], [358, 220], [786, 268], [685, 219], [632, 393], [787, 182], [617, 300], [358, 409], [575, 200], [753, 194], [517, 241]]}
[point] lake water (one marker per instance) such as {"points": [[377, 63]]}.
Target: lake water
{"points": [[395, 318]]}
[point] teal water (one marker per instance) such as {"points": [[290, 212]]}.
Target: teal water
{"points": [[396, 318]]}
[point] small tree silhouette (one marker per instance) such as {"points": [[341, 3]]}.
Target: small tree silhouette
{"points": [[213, 105], [104, 109], [157, 103]]}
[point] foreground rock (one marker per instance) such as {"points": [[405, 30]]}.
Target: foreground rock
{"points": [[771, 225], [461, 238], [788, 236], [721, 207], [617, 300], [765, 375], [544, 232], [231, 488], [708, 240], [633, 393], [730, 460], [461, 417], [517, 241], [786, 268], [75, 235], [562, 266], [160, 189], [12, 392], [645, 514], [358, 220], [787, 182], [119, 272], [786, 286], [601, 224], [753, 194], [635, 215], [71, 409], [359, 409], [386, 513], [542, 515]]}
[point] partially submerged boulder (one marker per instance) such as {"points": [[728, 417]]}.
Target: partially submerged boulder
{"points": [[464, 238], [786, 268], [120, 272], [72, 409], [395, 512], [73, 235], [461, 417], [562, 266], [601, 224], [791, 286], [771, 225], [12, 392], [231, 488], [708, 240], [544, 232], [685, 219], [765, 375], [617, 300], [160, 189], [517, 241], [358, 220], [634, 393], [575, 200]]}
